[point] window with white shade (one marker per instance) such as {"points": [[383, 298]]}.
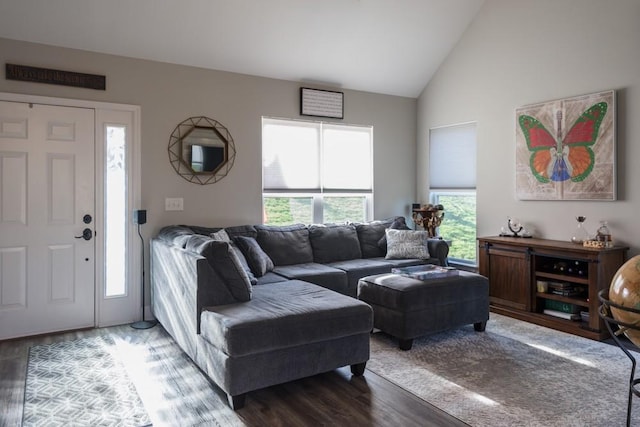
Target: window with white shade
{"points": [[315, 172], [452, 183]]}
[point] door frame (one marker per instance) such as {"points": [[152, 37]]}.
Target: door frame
{"points": [[130, 304]]}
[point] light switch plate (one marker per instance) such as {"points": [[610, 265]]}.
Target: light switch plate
{"points": [[174, 204]]}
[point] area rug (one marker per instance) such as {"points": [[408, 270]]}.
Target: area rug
{"points": [[80, 383], [513, 374]]}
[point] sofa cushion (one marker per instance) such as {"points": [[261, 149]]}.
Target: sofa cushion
{"points": [[270, 277], [259, 262], [175, 235], [407, 244], [241, 230], [285, 245], [283, 315], [206, 231], [334, 243], [222, 236], [397, 224], [358, 268], [319, 274], [369, 234], [225, 262], [195, 241]]}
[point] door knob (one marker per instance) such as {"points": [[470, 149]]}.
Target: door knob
{"points": [[87, 234]]}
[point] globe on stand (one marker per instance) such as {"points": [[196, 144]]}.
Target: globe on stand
{"points": [[625, 291]]}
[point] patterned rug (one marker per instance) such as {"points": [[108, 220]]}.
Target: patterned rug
{"points": [[514, 374], [80, 383]]}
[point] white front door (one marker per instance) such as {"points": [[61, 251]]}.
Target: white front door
{"points": [[47, 267]]}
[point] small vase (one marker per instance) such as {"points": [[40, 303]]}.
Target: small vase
{"points": [[604, 235], [580, 234]]}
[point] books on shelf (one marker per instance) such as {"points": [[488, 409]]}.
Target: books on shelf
{"points": [[562, 314], [568, 293], [566, 289], [424, 272], [565, 307]]}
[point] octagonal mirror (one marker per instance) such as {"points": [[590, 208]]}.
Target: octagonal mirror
{"points": [[201, 150], [204, 150]]}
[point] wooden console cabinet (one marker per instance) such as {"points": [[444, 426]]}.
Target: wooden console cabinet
{"points": [[516, 265]]}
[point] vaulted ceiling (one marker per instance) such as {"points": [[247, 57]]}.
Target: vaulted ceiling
{"points": [[382, 46]]}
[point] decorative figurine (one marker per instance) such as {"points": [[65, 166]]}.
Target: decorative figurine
{"points": [[429, 217], [581, 234], [515, 228]]}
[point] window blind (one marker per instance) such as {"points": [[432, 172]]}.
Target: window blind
{"points": [[290, 155], [452, 157], [303, 156]]}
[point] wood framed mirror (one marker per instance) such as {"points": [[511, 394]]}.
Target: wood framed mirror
{"points": [[201, 150]]}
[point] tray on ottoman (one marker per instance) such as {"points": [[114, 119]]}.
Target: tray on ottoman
{"points": [[424, 272], [407, 308]]}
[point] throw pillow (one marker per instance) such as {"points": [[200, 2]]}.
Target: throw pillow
{"points": [[258, 260], [222, 236], [225, 262], [397, 224], [403, 244]]}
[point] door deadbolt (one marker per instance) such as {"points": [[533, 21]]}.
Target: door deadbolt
{"points": [[87, 219], [87, 234]]}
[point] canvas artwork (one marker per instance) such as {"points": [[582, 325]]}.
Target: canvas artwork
{"points": [[565, 149]]}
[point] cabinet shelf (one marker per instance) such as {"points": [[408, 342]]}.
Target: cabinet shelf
{"points": [[563, 277], [581, 301], [514, 266]]}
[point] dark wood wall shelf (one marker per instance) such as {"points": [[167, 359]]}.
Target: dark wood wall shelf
{"points": [[514, 267]]}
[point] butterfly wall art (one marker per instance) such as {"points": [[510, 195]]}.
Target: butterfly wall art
{"points": [[565, 149]]}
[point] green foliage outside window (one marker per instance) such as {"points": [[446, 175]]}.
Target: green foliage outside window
{"points": [[293, 210], [459, 225], [288, 210], [341, 209]]}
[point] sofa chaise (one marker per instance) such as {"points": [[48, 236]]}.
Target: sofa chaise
{"points": [[255, 306]]}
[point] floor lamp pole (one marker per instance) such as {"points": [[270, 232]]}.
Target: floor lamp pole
{"points": [[141, 218]]}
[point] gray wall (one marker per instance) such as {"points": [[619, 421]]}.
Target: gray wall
{"points": [[522, 52], [168, 94]]}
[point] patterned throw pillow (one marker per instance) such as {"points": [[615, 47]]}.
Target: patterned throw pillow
{"points": [[397, 224], [404, 244]]}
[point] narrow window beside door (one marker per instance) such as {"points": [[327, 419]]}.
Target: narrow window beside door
{"points": [[115, 212]]}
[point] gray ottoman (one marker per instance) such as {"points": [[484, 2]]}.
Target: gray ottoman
{"points": [[408, 308]]}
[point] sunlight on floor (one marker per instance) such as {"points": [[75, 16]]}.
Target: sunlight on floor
{"points": [[563, 355], [133, 358], [173, 390], [482, 399], [472, 395]]}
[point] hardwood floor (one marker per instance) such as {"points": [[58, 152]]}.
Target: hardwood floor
{"points": [[176, 393]]}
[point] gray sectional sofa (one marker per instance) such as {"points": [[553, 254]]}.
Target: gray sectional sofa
{"points": [[255, 305]]}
